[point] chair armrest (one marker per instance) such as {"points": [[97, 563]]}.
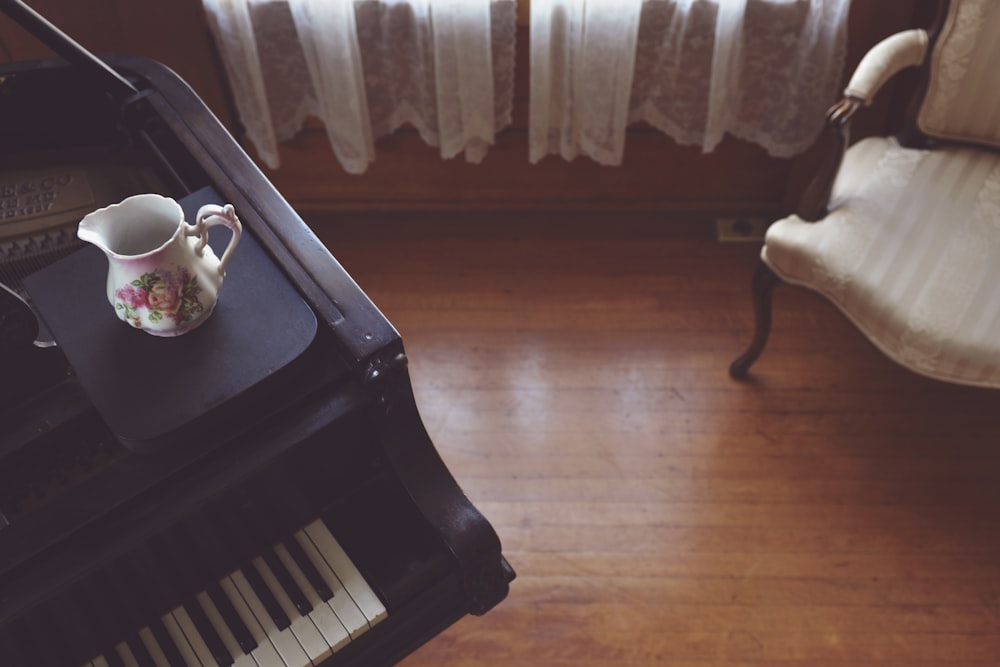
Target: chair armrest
{"points": [[833, 142], [881, 63], [885, 59]]}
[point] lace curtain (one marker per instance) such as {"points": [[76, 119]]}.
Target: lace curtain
{"points": [[367, 67], [762, 70]]}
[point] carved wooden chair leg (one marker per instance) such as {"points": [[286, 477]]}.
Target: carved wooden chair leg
{"points": [[764, 282]]}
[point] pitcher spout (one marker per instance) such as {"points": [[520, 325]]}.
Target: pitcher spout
{"points": [[91, 230], [137, 226]]}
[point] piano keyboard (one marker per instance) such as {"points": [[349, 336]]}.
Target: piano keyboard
{"points": [[293, 606]]}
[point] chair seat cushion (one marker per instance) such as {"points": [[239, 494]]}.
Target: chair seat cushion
{"points": [[910, 252]]}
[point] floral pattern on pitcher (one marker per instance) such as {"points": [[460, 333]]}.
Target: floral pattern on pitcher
{"points": [[171, 294]]}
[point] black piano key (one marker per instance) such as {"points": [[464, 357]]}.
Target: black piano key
{"points": [[287, 583], [280, 572], [270, 517], [193, 606], [112, 658], [126, 614], [312, 575], [154, 600], [231, 617], [140, 652], [165, 642], [285, 511], [241, 545], [266, 519], [208, 546], [265, 596], [170, 561]]}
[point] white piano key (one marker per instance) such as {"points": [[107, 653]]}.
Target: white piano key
{"points": [[125, 653], [100, 661], [240, 659], [322, 615], [342, 603], [179, 639], [355, 584], [153, 646], [265, 654], [284, 641], [197, 642], [302, 627]]}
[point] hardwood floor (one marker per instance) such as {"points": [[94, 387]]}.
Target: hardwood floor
{"points": [[836, 510]]}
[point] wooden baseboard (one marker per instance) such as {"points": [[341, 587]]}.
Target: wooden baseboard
{"points": [[657, 175]]}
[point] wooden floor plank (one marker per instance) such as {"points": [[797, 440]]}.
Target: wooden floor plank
{"points": [[836, 510]]}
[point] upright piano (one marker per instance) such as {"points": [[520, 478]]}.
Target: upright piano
{"points": [[257, 492]]}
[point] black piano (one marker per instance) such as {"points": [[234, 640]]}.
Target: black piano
{"points": [[257, 492]]}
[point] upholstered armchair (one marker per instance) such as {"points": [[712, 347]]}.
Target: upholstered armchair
{"points": [[903, 233]]}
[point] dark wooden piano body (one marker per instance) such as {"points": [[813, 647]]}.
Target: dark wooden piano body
{"points": [[86, 523]]}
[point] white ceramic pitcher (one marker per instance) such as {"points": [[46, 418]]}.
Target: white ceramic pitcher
{"points": [[162, 277]]}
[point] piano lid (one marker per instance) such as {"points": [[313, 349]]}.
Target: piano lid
{"points": [[64, 45]]}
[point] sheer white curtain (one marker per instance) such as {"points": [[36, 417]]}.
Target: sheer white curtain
{"points": [[367, 67], [762, 70]]}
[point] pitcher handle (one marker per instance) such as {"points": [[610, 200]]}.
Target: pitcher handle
{"points": [[210, 215]]}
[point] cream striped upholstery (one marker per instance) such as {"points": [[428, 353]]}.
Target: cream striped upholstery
{"points": [[963, 99], [911, 253], [910, 250]]}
